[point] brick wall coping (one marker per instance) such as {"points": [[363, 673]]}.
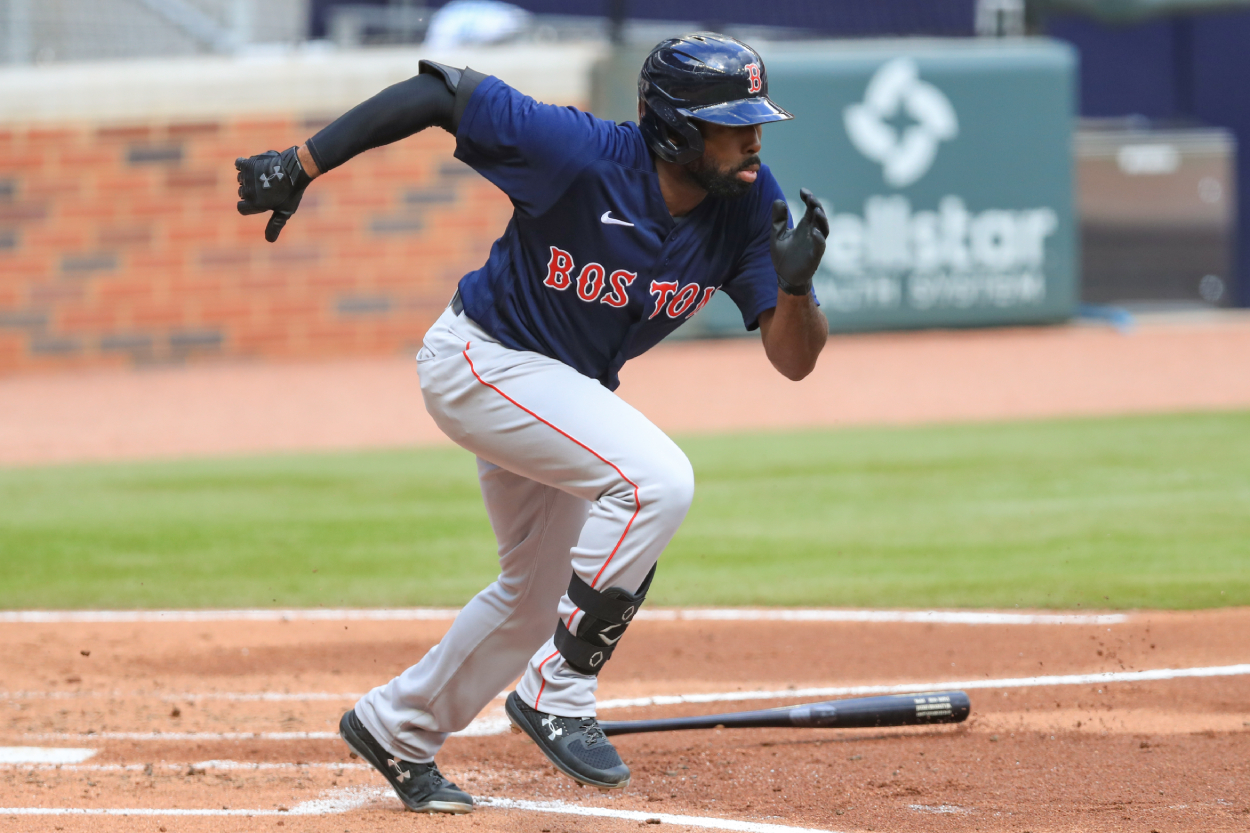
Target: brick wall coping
{"points": [[312, 81]]}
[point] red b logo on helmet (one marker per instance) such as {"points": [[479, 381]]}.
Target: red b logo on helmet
{"points": [[754, 84]]}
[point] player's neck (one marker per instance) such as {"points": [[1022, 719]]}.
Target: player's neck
{"points": [[681, 193]]}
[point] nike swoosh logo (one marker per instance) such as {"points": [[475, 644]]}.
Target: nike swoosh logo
{"points": [[608, 219]]}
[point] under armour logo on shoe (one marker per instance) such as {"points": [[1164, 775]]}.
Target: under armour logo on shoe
{"points": [[277, 174], [401, 775], [550, 722]]}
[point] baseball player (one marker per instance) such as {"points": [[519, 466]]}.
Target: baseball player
{"points": [[620, 233]]}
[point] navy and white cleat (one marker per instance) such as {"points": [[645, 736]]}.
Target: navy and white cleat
{"points": [[575, 745], [420, 786]]}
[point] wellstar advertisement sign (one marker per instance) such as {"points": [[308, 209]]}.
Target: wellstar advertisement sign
{"points": [[946, 172], [945, 169]]}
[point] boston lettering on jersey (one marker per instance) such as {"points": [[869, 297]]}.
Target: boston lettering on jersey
{"points": [[591, 269], [591, 285]]}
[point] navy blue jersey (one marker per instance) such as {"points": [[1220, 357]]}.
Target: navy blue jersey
{"points": [[592, 270]]}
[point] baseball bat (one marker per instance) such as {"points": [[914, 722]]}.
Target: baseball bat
{"points": [[856, 713]]}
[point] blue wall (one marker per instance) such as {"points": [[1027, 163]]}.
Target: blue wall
{"points": [[847, 18], [1191, 68]]}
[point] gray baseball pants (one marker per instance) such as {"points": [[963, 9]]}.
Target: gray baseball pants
{"points": [[573, 478]]}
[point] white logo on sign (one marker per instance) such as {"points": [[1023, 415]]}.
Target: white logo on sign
{"points": [[896, 87]]}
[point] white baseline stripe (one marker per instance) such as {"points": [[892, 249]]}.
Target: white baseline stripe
{"points": [[130, 811], [940, 617], [184, 736], [266, 696], [346, 800], [182, 767], [174, 696], [258, 615], [937, 617], [489, 723], [331, 802], [633, 815], [908, 688], [43, 755], [494, 724]]}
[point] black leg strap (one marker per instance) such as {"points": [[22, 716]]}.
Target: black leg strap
{"points": [[615, 609], [584, 657], [606, 616]]}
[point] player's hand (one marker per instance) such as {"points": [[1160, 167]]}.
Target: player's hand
{"points": [[797, 252], [271, 181]]}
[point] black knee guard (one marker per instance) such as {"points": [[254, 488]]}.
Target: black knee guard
{"points": [[607, 615]]}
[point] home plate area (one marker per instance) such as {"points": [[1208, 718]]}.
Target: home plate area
{"points": [[1135, 722]]}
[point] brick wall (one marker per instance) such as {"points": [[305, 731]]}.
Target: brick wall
{"points": [[120, 244]]}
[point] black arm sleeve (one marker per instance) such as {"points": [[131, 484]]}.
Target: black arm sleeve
{"points": [[397, 112]]}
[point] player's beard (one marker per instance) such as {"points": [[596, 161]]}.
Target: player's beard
{"points": [[722, 183]]}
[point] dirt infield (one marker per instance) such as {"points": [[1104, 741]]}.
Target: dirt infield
{"points": [[1041, 752], [1168, 363], [228, 725]]}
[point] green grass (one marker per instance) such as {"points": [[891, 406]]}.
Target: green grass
{"points": [[1119, 513]]}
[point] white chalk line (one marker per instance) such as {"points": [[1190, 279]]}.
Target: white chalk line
{"points": [[132, 811], [171, 736], [185, 696], [1106, 677], [44, 755], [489, 723], [480, 727], [437, 614], [940, 808], [215, 765], [937, 617], [341, 801], [493, 723], [333, 802], [633, 815]]}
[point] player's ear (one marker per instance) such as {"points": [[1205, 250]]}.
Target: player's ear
{"points": [[676, 139]]}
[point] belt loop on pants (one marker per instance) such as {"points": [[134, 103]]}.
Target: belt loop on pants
{"points": [[457, 306]]}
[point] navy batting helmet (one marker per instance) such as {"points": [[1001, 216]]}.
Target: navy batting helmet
{"points": [[704, 76]]}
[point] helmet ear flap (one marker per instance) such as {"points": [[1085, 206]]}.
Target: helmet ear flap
{"points": [[669, 133]]}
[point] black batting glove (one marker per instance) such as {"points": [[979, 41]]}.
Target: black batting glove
{"points": [[797, 252], [271, 181]]}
